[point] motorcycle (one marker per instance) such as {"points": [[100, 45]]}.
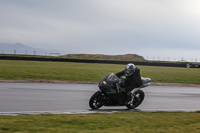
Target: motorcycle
{"points": [[112, 93]]}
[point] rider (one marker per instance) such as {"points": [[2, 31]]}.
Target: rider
{"points": [[133, 80]]}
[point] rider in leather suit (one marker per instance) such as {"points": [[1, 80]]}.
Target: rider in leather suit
{"points": [[133, 80]]}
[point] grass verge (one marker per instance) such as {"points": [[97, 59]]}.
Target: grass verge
{"points": [[141, 122], [14, 69]]}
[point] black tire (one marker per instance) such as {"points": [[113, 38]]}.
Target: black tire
{"points": [[96, 101], [138, 99]]}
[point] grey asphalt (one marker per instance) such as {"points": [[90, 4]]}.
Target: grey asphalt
{"points": [[36, 98]]}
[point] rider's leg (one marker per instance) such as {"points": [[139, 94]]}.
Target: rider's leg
{"points": [[129, 98]]}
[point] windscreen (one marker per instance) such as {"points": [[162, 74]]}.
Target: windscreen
{"points": [[112, 78]]}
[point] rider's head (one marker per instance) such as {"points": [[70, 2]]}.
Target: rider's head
{"points": [[129, 69]]}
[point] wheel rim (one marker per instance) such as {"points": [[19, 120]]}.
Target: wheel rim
{"points": [[96, 103]]}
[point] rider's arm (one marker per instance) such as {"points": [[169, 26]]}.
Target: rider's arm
{"points": [[119, 74]]}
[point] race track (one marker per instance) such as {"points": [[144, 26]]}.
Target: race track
{"points": [[36, 98]]}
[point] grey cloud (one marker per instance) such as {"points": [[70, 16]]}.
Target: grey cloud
{"points": [[123, 26]]}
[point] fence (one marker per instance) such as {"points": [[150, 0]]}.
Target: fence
{"points": [[147, 63]]}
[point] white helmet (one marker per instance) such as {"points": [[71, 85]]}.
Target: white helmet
{"points": [[129, 69]]}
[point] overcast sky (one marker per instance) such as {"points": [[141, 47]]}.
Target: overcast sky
{"points": [[151, 28]]}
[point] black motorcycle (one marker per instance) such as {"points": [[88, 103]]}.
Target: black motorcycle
{"points": [[112, 93]]}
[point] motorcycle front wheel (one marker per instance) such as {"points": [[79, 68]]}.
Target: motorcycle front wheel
{"points": [[96, 101], [138, 99]]}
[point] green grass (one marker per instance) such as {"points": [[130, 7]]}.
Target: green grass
{"points": [[14, 69], [135, 122]]}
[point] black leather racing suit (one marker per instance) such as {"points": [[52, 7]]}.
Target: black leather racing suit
{"points": [[132, 81]]}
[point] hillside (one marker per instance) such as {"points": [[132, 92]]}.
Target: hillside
{"points": [[134, 57], [18, 48]]}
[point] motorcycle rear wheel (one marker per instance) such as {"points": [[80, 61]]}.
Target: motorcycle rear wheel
{"points": [[138, 99], [96, 101]]}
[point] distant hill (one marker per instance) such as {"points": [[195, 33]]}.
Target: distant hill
{"points": [[18, 48], [134, 57]]}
